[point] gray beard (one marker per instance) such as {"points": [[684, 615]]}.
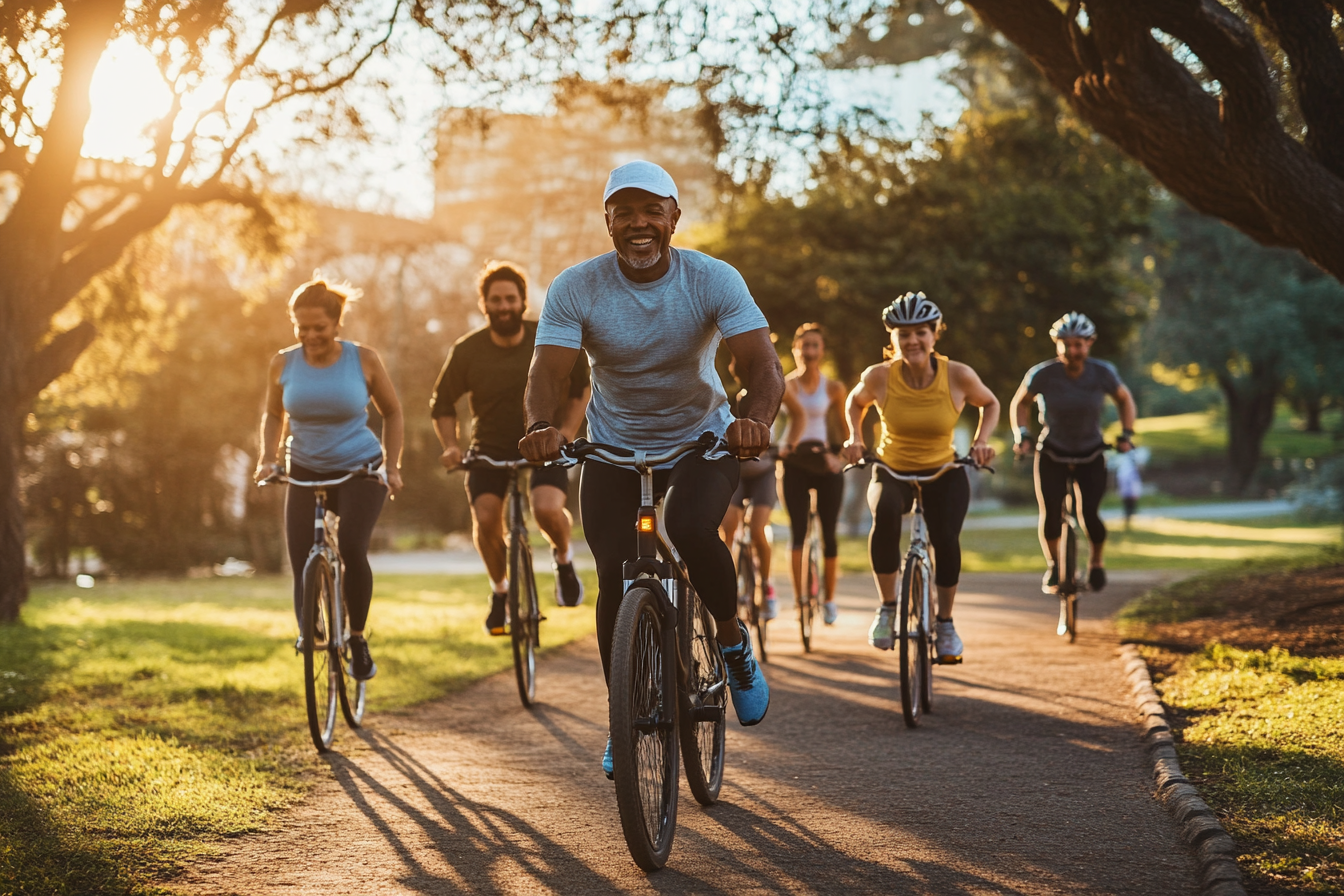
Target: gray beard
{"points": [[643, 264]]}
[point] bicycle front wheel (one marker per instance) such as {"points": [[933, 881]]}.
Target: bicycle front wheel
{"points": [[914, 641], [704, 702], [643, 719], [1068, 584], [321, 662], [523, 616]]}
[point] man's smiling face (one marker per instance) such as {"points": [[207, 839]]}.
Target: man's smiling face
{"points": [[641, 226]]}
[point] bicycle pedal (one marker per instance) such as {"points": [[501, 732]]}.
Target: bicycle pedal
{"points": [[949, 661], [707, 714]]}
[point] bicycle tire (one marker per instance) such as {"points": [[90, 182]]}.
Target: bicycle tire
{"points": [[703, 712], [1068, 584], [321, 662], [523, 618], [929, 642], [352, 709], [914, 648], [807, 613], [747, 594], [642, 717]]}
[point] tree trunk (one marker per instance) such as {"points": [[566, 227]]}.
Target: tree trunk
{"points": [[13, 574], [1311, 409], [1250, 413]]}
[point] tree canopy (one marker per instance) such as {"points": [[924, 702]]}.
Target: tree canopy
{"points": [[1234, 106]]}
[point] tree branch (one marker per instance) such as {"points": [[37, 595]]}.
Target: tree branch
{"points": [[1302, 28], [54, 359]]}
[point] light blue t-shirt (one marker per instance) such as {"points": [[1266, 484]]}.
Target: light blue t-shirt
{"points": [[651, 345]]}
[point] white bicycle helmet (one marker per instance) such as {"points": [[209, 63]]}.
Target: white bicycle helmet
{"points": [[911, 310], [1075, 323]]}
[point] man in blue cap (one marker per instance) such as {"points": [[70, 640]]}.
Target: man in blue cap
{"points": [[650, 319]]}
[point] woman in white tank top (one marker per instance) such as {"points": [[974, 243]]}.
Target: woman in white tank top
{"points": [[810, 459]]}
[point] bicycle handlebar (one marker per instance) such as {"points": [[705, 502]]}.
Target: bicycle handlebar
{"points": [[280, 477], [471, 459], [579, 450], [928, 477], [1076, 461]]}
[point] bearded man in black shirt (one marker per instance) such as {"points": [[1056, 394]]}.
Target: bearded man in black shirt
{"points": [[490, 365]]}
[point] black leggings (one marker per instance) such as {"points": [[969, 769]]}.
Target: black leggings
{"points": [[830, 494], [945, 502], [357, 503], [1090, 482], [697, 494]]}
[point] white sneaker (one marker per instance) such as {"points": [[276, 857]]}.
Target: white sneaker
{"points": [[880, 634], [948, 643]]}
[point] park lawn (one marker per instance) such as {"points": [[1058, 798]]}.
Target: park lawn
{"points": [[1188, 437], [1151, 544], [142, 720]]}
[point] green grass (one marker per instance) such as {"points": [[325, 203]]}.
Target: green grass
{"points": [[1191, 437], [1266, 738], [1152, 544], [140, 721]]}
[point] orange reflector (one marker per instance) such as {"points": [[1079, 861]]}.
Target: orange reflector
{"points": [[646, 524]]}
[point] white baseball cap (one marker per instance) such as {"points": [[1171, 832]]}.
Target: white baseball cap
{"points": [[640, 175]]}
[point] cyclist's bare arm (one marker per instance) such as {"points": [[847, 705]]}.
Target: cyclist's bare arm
{"points": [[1019, 411], [968, 388], [272, 421], [384, 396], [759, 370], [445, 427], [571, 417], [547, 388], [871, 389], [1124, 403]]}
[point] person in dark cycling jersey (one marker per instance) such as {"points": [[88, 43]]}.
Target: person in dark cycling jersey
{"points": [[1070, 390]]}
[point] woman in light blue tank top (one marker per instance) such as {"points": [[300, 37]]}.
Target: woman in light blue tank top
{"points": [[322, 387]]}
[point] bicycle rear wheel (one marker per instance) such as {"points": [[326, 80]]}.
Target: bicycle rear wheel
{"points": [[643, 719], [807, 612], [523, 614], [914, 641], [321, 662], [352, 704], [702, 717], [747, 593]]}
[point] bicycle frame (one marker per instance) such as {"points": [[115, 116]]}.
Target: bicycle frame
{"points": [[325, 543]]}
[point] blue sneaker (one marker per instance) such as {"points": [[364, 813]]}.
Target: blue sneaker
{"points": [[608, 766], [830, 612], [746, 682]]}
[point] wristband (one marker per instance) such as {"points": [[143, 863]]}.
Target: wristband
{"points": [[1127, 435], [538, 427]]}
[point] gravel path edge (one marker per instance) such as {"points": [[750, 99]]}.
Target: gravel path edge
{"points": [[1214, 849]]}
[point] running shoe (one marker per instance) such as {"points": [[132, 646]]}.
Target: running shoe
{"points": [[771, 604], [746, 681], [880, 634], [568, 586], [497, 623], [948, 644], [608, 764], [830, 611], [1096, 578], [362, 667], [1050, 581]]}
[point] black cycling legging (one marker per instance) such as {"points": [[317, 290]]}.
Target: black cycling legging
{"points": [[357, 503], [1090, 479], [945, 502], [697, 494], [830, 494]]}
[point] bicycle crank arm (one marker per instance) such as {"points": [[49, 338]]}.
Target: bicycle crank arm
{"points": [[707, 714], [652, 725]]}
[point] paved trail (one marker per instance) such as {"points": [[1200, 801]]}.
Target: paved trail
{"points": [[1029, 779]]}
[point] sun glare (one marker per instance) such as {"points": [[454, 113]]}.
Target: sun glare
{"points": [[128, 94]]}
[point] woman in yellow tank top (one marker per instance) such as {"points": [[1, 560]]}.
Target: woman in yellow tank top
{"points": [[919, 395]]}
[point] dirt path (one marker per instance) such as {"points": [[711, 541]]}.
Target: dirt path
{"points": [[1029, 779]]}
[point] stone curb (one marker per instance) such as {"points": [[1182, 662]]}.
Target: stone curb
{"points": [[1214, 850]]}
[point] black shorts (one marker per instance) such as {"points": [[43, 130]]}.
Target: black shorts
{"points": [[759, 490], [496, 482]]}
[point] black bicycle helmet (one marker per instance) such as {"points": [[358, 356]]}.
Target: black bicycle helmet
{"points": [[911, 310], [1075, 323]]}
